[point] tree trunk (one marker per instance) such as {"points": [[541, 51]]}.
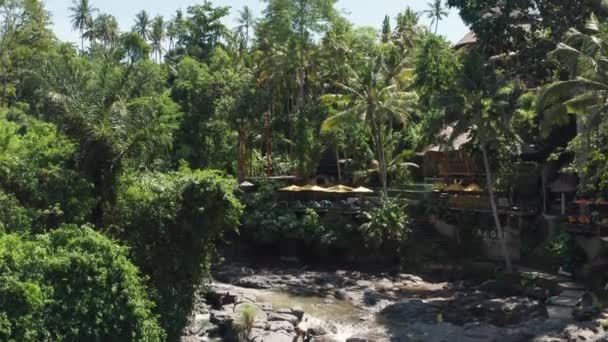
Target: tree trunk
{"points": [[500, 231], [377, 136], [241, 155], [268, 159], [338, 166]]}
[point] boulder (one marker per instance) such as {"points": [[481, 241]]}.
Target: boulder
{"points": [[412, 310], [341, 294], [283, 326], [271, 336], [316, 330], [274, 316], [507, 311], [366, 338], [222, 318], [254, 282], [298, 312], [371, 297]]}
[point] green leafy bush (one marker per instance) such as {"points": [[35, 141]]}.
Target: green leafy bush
{"points": [[37, 164], [385, 224], [13, 217], [560, 248], [73, 284], [172, 221]]}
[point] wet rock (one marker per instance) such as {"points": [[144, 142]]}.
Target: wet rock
{"points": [[366, 338], [273, 316], [193, 339], [326, 338], [254, 282], [413, 310], [316, 331], [410, 278], [271, 336], [198, 324], [384, 285], [265, 306], [298, 312], [341, 294], [585, 332], [371, 297], [222, 318], [283, 326], [536, 292], [328, 301], [506, 311]]}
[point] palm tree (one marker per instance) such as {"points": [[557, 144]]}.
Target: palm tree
{"points": [[106, 29], [171, 32], [96, 107], [436, 12], [586, 94], [245, 21], [82, 17], [157, 35], [484, 105], [374, 96], [142, 25], [408, 30]]}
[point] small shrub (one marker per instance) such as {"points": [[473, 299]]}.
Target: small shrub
{"points": [[246, 320], [385, 224], [560, 248]]}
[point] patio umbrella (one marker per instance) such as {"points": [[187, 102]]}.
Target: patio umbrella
{"points": [[291, 188], [313, 188], [340, 189], [363, 190]]}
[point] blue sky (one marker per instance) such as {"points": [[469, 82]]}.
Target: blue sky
{"points": [[361, 12]]}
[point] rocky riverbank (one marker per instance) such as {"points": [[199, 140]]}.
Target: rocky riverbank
{"points": [[292, 304]]}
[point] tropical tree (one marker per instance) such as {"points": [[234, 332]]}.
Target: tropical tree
{"points": [[115, 113], [436, 12], [482, 106], [142, 25], [171, 32], [106, 29], [157, 35], [245, 21], [82, 17], [585, 95], [408, 31], [379, 99], [386, 29]]}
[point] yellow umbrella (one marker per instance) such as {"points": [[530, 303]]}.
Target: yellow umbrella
{"points": [[292, 188], [340, 189], [362, 190], [313, 188]]}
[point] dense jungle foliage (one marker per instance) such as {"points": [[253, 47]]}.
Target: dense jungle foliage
{"points": [[119, 156]]}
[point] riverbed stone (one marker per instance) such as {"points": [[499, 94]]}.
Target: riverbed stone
{"points": [[274, 316], [271, 336], [366, 337], [254, 282], [298, 312], [341, 294], [222, 318], [284, 326]]}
